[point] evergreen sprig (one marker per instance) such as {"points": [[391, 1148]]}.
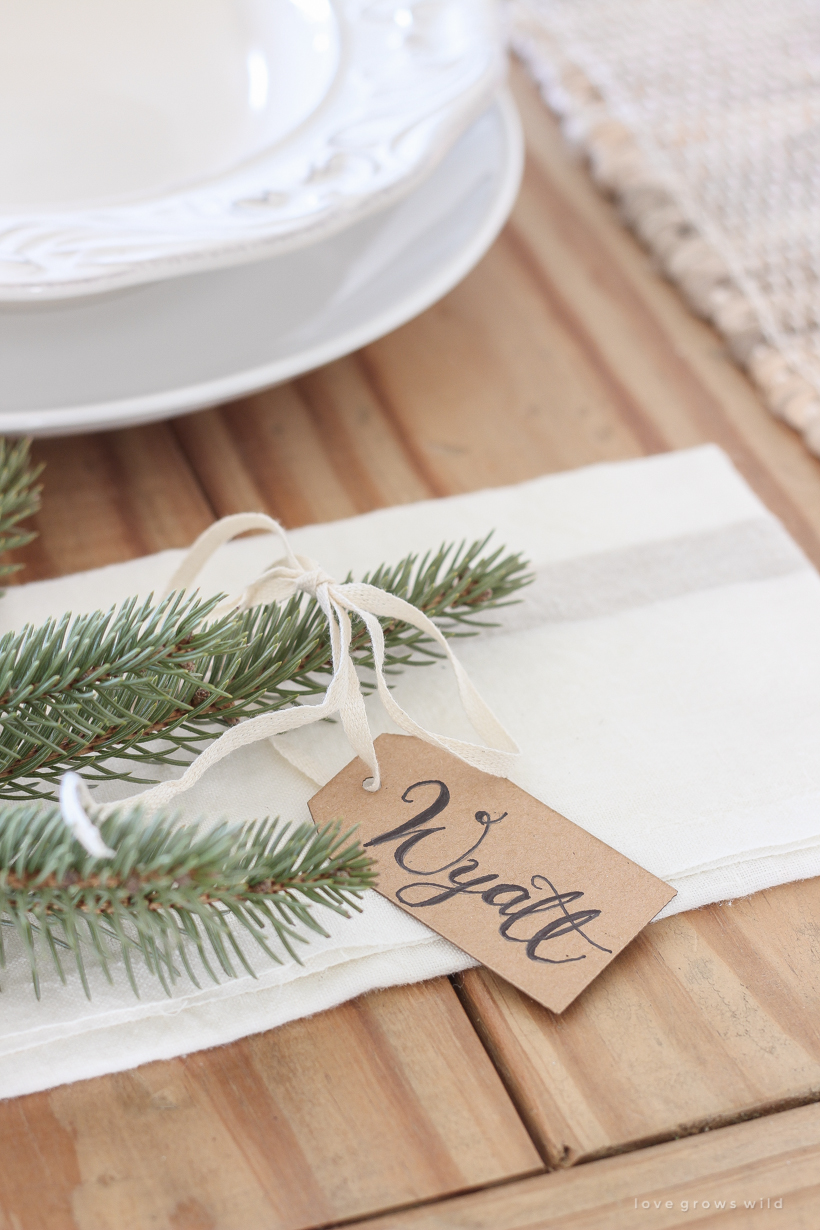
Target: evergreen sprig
{"points": [[19, 497], [170, 893], [150, 683]]}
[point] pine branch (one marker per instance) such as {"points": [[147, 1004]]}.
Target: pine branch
{"points": [[170, 893], [19, 497], [78, 693], [72, 687]]}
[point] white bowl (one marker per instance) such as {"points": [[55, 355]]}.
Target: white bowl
{"points": [[142, 139]]}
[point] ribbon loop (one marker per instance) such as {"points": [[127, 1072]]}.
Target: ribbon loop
{"points": [[75, 797], [343, 699]]}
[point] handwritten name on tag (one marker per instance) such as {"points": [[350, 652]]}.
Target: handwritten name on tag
{"points": [[519, 887]]}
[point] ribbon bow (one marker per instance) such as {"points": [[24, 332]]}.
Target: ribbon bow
{"points": [[343, 698]]}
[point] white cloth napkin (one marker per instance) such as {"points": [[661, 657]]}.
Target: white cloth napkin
{"points": [[662, 677]]}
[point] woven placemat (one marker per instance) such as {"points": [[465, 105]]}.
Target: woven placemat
{"points": [[703, 121]]}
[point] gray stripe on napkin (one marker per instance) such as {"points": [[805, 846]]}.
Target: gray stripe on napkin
{"points": [[591, 586]]}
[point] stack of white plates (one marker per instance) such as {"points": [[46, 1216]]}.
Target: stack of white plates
{"points": [[199, 198]]}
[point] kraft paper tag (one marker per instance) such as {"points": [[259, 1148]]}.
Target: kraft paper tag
{"points": [[519, 887]]}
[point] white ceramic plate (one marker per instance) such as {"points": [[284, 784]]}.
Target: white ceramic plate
{"points": [[145, 139], [158, 350]]}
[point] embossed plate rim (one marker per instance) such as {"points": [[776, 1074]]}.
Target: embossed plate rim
{"points": [[367, 148]]}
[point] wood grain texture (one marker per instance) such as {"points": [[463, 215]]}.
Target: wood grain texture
{"points": [[318, 449], [777, 1158], [382, 1101], [112, 497], [707, 1017]]}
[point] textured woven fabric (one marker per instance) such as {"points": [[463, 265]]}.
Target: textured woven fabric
{"points": [[703, 119]]}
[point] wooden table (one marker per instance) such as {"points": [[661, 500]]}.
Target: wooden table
{"points": [[461, 1104]]}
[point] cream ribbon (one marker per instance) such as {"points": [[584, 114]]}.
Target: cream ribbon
{"points": [[295, 574], [75, 798]]}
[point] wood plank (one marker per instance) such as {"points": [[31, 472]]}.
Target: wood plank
{"points": [[317, 449], [489, 387], [777, 1158], [213, 456], [111, 497], [385, 1100], [705, 1018]]}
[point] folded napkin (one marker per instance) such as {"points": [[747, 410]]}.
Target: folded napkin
{"points": [[662, 677]]}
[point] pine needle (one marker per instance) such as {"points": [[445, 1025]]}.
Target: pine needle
{"points": [[19, 497], [171, 894]]}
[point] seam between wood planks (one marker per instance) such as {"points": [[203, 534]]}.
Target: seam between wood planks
{"points": [[412, 451], [436, 1202], [510, 1086], [695, 1127], [189, 464], [453, 1198], [340, 452]]}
